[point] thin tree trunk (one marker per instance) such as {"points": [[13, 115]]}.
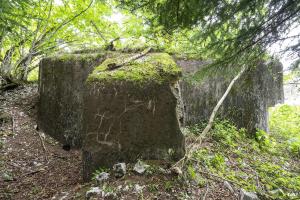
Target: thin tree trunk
{"points": [[198, 141], [220, 102]]}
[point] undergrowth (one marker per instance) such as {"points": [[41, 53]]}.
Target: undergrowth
{"points": [[265, 163]]}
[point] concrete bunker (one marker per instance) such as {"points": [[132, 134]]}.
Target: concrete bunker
{"points": [[60, 106], [247, 103], [136, 111], [125, 114]]}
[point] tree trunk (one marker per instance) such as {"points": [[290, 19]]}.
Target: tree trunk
{"points": [[220, 102], [198, 141]]}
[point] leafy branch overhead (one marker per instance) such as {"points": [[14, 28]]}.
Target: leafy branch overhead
{"points": [[225, 29]]}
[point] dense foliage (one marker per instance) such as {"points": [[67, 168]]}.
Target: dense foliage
{"points": [[34, 29], [231, 32]]}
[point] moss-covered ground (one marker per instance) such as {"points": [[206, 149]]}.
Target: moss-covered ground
{"points": [[268, 164]]}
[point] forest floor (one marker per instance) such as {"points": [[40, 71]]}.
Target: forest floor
{"points": [[34, 166]]}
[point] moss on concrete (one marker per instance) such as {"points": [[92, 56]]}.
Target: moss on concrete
{"points": [[154, 67], [76, 57]]}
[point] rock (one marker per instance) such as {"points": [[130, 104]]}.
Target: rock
{"points": [[176, 170], [228, 186], [94, 192], [119, 188], [110, 195], [138, 188], [61, 196], [126, 188], [140, 167], [36, 127], [103, 176], [7, 177], [36, 164], [248, 195], [119, 169]]}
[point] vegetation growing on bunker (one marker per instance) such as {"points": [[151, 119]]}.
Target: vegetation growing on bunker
{"points": [[72, 57], [153, 67]]}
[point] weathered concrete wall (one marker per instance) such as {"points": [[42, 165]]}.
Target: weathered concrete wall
{"points": [[136, 111], [125, 122], [113, 115], [292, 91], [61, 81], [247, 103], [132, 112]]}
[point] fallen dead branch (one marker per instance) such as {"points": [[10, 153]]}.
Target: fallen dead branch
{"points": [[113, 66], [206, 192], [43, 144], [32, 172]]}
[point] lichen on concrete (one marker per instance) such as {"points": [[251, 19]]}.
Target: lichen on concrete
{"points": [[153, 67]]}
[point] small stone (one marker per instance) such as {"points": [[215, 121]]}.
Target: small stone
{"points": [[140, 167], [103, 176], [119, 188], [119, 169], [110, 195], [138, 188], [61, 196], [176, 170], [126, 188], [36, 127], [36, 164], [94, 192], [248, 195], [228, 186], [7, 177]]}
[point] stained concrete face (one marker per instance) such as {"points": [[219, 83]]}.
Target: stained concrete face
{"points": [[111, 115], [61, 82], [126, 122], [246, 104]]}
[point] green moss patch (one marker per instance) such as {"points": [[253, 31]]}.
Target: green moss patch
{"points": [[76, 57], [153, 67]]}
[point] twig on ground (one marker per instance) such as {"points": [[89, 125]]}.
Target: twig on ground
{"points": [[13, 122], [32, 172], [206, 192], [43, 144]]}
